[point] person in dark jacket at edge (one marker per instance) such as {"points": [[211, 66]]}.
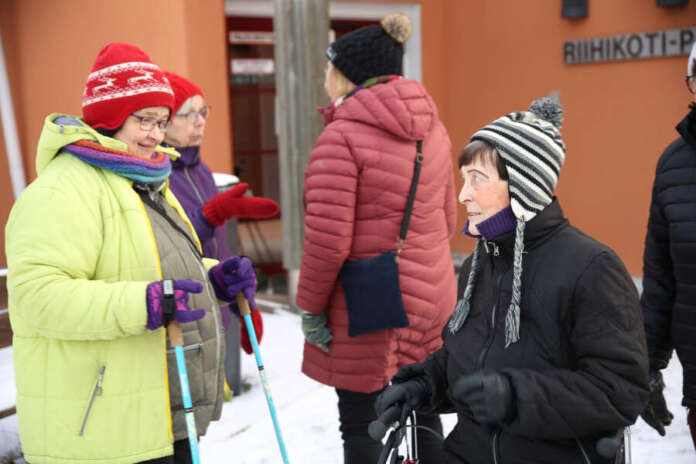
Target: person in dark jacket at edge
{"points": [[669, 278], [192, 182], [545, 352]]}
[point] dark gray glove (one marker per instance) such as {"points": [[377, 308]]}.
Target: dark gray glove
{"points": [[489, 395], [409, 387], [656, 414]]}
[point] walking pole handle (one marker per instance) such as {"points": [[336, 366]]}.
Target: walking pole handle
{"points": [[243, 304], [378, 427], [176, 337]]}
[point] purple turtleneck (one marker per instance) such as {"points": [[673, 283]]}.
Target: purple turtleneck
{"points": [[499, 224], [193, 185]]}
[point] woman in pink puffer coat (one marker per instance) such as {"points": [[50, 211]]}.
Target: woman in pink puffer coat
{"points": [[356, 188]]}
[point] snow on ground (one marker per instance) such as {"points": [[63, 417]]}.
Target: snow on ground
{"points": [[309, 417]]}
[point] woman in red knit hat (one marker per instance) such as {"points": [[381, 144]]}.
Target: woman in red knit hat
{"points": [[193, 184], [101, 258]]}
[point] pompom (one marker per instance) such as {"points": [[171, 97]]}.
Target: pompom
{"points": [[398, 26], [548, 109]]}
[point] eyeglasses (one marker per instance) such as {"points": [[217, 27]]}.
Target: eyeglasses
{"points": [[147, 123], [192, 116], [691, 83]]}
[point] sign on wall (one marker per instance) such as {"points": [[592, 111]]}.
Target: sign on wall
{"points": [[641, 45], [252, 66]]}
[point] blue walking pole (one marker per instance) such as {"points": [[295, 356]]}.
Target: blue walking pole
{"points": [[177, 340], [245, 311]]}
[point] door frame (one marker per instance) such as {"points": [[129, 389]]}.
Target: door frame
{"points": [[351, 10]]}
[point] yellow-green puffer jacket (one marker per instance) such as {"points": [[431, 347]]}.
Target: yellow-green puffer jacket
{"points": [[81, 253]]}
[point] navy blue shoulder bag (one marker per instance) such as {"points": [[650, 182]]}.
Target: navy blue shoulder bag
{"points": [[371, 286]]}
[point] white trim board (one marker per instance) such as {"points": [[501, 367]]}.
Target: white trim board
{"points": [[351, 10]]}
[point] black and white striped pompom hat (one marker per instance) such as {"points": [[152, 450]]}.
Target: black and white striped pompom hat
{"points": [[533, 152]]}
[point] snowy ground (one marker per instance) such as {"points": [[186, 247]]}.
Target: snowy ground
{"points": [[309, 417]]}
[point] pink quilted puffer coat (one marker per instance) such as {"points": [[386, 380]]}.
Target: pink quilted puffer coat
{"points": [[356, 186]]}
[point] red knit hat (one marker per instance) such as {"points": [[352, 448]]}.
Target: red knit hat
{"points": [[183, 89], [123, 80]]}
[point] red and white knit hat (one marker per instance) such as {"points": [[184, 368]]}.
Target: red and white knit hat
{"points": [[183, 89], [123, 80]]}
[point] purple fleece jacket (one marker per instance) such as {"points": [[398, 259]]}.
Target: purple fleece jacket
{"points": [[193, 184]]}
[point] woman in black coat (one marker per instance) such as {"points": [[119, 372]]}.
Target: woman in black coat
{"points": [[545, 352]]}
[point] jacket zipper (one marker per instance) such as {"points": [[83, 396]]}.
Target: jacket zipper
{"points": [[204, 277], [96, 391], [195, 346], [491, 333], [202, 202]]}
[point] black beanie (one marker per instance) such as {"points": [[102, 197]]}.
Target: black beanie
{"points": [[371, 51]]}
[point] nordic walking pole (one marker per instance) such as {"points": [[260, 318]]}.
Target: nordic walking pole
{"points": [[245, 311], [177, 340]]}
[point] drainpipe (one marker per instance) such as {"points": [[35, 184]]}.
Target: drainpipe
{"points": [[9, 129], [301, 29]]}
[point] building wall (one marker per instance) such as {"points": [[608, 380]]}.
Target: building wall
{"points": [[50, 48]]}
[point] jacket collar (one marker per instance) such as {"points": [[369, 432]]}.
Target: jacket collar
{"points": [[687, 126], [536, 231], [190, 156]]}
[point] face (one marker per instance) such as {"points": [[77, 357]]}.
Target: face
{"points": [[182, 132], [483, 193], [330, 86], [140, 142]]}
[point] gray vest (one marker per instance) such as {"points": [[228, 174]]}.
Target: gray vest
{"points": [[204, 341]]}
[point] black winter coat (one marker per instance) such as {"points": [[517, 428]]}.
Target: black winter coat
{"points": [[669, 261], [580, 368]]}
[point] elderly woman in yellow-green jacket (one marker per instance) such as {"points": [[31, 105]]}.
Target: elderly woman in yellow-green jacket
{"points": [[88, 244]]}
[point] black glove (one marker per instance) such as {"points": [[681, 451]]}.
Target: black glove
{"points": [[656, 414], [489, 395], [409, 387]]}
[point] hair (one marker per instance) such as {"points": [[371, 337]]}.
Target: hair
{"points": [[108, 132], [188, 103], [340, 81], [693, 66], [480, 150]]}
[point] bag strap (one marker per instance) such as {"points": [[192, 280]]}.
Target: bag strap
{"points": [[411, 198]]}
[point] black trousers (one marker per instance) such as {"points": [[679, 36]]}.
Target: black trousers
{"points": [[182, 455], [357, 410]]}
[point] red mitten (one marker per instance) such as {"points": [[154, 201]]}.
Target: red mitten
{"points": [[258, 328], [232, 203]]}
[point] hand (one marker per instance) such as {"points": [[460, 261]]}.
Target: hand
{"points": [[315, 330], [234, 275], [489, 395], [412, 394], [244, 340], [656, 414], [182, 314], [231, 203]]}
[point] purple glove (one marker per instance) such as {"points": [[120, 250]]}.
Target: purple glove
{"points": [[182, 314], [234, 275]]}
